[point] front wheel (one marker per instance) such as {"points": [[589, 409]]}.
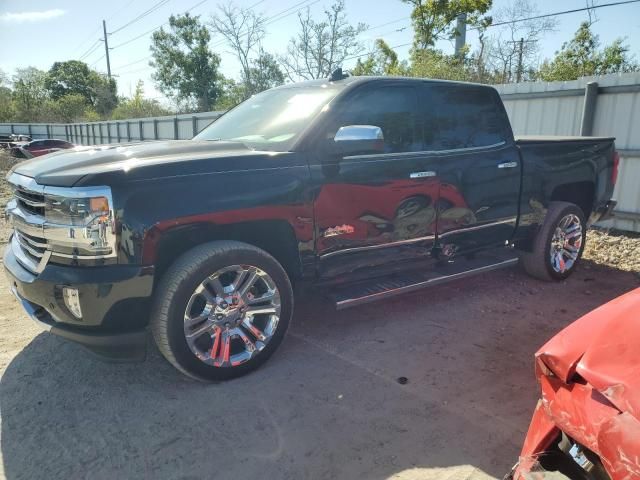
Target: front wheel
{"points": [[221, 310], [559, 243]]}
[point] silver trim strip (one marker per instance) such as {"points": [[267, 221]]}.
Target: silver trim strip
{"points": [[426, 152], [508, 165], [422, 174], [477, 227], [381, 245], [352, 302]]}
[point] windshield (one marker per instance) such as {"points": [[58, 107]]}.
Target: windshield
{"points": [[270, 120]]}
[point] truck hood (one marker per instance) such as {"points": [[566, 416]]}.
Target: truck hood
{"points": [[603, 347], [137, 160]]}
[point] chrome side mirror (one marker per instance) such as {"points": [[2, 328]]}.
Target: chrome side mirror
{"points": [[359, 139]]}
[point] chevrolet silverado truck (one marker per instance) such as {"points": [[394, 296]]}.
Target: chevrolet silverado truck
{"points": [[365, 187]]}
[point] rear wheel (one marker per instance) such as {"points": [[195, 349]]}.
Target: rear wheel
{"points": [[221, 310], [559, 243]]}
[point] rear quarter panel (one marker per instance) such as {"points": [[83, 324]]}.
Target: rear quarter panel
{"points": [[549, 164]]}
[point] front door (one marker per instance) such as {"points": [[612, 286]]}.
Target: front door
{"points": [[375, 212]]}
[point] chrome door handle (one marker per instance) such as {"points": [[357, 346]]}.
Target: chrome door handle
{"points": [[422, 174], [508, 165]]}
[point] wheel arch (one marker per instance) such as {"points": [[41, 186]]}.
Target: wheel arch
{"points": [[581, 194], [275, 237]]}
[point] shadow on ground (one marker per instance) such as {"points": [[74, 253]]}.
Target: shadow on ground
{"points": [[328, 405]]}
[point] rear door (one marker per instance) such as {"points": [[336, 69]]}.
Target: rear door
{"points": [[375, 212], [479, 166]]}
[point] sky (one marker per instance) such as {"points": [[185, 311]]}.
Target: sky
{"points": [[39, 32]]}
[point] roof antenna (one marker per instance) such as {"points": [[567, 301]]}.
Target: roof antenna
{"points": [[338, 75]]}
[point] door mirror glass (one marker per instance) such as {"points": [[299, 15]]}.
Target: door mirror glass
{"points": [[359, 140]]}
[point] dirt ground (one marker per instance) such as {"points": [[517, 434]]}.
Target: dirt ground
{"points": [[328, 404]]}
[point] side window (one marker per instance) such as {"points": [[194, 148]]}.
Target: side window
{"points": [[393, 109], [463, 117]]}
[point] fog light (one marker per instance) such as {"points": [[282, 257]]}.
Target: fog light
{"points": [[72, 301]]}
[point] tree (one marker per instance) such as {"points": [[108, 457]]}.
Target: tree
{"points": [[432, 19], [74, 77], [499, 55], [232, 94], [382, 61], [186, 69], [321, 47], [243, 30], [582, 57], [138, 107], [29, 94], [265, 73], [70, 108]]}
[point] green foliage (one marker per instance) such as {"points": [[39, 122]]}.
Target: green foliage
{"points": [[582, 56], [433, 19], [69, 108], [232, 94], [434, 64], [186, 69], [383, 61], [265, 73], [138, 106], [29, 94]]}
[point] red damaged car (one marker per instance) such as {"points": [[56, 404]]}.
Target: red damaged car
{"points": [[37, 148], [587, 424]]}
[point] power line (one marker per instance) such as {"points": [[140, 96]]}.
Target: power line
{"points": [[90, 50], [149, 11], [575, 10], [126, 42]]}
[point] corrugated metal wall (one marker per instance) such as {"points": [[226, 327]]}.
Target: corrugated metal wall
{"points": [[154, 128], [556, 109], [534, 109]]}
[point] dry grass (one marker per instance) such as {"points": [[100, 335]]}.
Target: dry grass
{"points": [[614, 249]]}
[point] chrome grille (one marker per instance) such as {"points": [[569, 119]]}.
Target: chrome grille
{"points": [[33, 246], [29, 201], [26, 212]]}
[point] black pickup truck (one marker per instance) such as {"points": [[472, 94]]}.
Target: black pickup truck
{"points": [[367, 187]]}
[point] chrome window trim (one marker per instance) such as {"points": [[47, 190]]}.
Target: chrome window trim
{"points": [[426, 152]]}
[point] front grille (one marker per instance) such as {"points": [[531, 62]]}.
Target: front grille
{"points": [[29, 201], [32, 246]]}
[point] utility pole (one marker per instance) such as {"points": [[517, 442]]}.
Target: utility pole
{"points": [[519, 73], [106, 48], [461, 36]]}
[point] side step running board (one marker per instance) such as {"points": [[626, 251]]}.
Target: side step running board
{"points": [[378, 289]]}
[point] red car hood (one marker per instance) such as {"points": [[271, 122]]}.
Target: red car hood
{"points": [[603, 347]]}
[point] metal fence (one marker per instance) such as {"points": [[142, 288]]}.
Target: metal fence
{"points": [[602, 106], [599, 106], [176, 127]]}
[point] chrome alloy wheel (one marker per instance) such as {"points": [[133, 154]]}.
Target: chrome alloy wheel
{"points": [[232, 315], [566, 243]]}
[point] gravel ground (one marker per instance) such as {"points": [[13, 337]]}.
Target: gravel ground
{"points": [[328, 405]]}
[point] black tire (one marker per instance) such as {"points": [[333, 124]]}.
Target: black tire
{"points": [[538, 262], [178, 284]]}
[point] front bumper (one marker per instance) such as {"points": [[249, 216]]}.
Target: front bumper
{"points": [[114, 302]]}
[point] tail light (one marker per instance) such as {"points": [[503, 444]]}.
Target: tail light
{"points": [[616, 163]]}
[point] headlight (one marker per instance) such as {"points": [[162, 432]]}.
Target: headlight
{"points": [[79, 222]]}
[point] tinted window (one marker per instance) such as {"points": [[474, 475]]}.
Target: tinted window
{"points": [[393, 109], [463, 117]]}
